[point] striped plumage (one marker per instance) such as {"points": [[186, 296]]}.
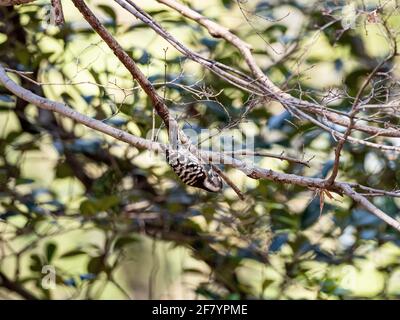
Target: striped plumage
{"points": [[191, 171]]}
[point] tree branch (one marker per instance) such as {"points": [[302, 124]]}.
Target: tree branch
{"points": [[5, 282], [58, 12], [260, 84], [370, 207], [68, 112], [157, 101], [354, 110]]}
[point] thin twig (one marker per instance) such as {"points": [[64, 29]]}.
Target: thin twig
{"points": [[57, 10]]}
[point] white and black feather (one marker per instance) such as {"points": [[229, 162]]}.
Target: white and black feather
{"points": [[191, 171]]}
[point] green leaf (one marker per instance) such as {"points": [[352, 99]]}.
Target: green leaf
{"points": [[88, 208], [63, 170], [95, 265], [266, 283], [20, 181], [109, 11], [36, 263], [107, 202], [123, 241], [73, 253], [51, 249], [92, 206]]}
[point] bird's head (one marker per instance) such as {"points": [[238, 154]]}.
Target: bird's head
{"points": [[212, 181]]}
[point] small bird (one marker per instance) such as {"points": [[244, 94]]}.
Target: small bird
{"points": [[191, 171]]}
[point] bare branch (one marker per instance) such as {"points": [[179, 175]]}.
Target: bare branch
{"points": [[127, 61], [58, 12], [269, 155], [354, 110], [260, 85], [370, 207], [157, 101], [15, 287], [68, 112]]}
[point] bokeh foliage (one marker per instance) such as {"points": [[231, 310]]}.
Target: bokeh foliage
{"points": [[115, 222]]}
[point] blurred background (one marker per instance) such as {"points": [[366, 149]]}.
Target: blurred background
{"points": [[83, 216]]}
